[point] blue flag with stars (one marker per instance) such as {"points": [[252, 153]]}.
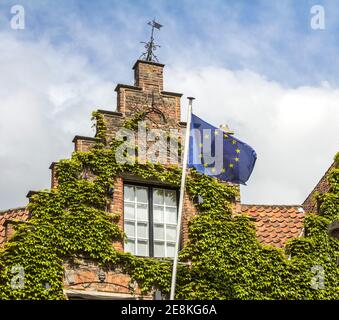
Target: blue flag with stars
{"points": [[217, 153]]}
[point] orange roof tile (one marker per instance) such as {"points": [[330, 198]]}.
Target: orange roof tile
{"points": [[275, 224], [18, 213]]}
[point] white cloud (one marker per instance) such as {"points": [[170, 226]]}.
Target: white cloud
{"points": [[47, 95], [294, 131]]}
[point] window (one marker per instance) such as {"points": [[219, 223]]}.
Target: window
{"points": [[150, 220]]}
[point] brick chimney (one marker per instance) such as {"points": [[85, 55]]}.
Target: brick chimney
{"points": [[148, 88], [149, 76]]}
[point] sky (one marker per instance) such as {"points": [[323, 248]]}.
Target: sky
{"points": [[258, 66]]}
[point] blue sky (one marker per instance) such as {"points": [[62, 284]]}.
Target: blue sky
{"points": [[258, 65], [270, 37]]}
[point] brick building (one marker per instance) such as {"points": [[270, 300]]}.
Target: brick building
{"points": [[275, 224]]}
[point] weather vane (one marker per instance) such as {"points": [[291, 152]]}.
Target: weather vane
{"points": [[150, 46]]}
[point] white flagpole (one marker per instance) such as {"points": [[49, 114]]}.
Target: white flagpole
{"points": [[181, 199]]}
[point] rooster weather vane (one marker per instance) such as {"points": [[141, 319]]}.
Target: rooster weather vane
{"points": [[150, 46]]}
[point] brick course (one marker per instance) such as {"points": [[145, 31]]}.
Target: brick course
{"points": [[275, 224]]}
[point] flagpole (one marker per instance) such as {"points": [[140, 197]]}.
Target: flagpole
{"points": [[181, 199]]}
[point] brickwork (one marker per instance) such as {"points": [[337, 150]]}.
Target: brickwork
{"points": [[310, 204], [148, 94], [118, 207], [85, 275], [8, 219], [113, 121], [149, 76], [190, 211], [161, 109], [54, 180], [83, 144]]}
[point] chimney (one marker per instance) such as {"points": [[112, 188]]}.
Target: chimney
{"points": [[148, 75]]}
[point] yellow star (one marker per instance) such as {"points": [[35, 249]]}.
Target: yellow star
{"points": [[205, 165], [216, 132], [225, 136], [206, 136], [200, 145], [213, 170], [201, 155], [234, 141], [223, 170], [238, 150], [236, 159], [231, 165]]}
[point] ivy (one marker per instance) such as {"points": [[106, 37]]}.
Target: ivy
{"points": [[222, 258]]}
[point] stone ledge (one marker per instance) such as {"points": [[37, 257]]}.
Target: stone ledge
{"points": [[32, 193], [110, 113], [100, 295], [126, 86], [168, 93], [84, 138], [148, 62], [52, 165]]}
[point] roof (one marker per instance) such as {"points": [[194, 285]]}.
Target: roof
{"points": [[275, 224], [20, 214]]}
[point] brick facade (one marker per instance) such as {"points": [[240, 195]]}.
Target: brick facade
{"points": [[161, 110], [310, 203], [8, 219]]}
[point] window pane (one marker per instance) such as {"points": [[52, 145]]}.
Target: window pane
{"points": [[159, 232], [130, 229], [142, 248], [171, 215], [170, 250], [130, 246], [142, 212], [129, 211], [158, 213], [158, 196], [142, 230], [170, 198], [129, 193], [159, 249], [142, 195], [170, 233]]}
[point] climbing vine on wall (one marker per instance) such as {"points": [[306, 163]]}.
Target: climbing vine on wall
{"points": [[223, 258]]}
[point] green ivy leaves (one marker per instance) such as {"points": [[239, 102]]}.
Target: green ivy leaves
{"points": [[221, 260]]}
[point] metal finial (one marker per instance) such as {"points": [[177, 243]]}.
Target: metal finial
{"points": [[150, 46], [190, 101], [226, 129]]}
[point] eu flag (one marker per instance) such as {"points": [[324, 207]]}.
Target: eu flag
{"points": [[218, 153]]}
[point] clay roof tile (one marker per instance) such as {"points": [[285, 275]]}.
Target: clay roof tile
{"points": [[275, 224]]}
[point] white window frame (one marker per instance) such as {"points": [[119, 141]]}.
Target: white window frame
{"points": [[150, 221]]}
